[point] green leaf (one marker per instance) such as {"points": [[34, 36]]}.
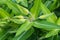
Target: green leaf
{"points": [[35, 9], [45, 16], [3, 23], [46, 25], [45, 10], [23, 2], [52, 18], [25, 35], [58, 21], [13, 7], [3, 13], [23, 10], [18, 21], [53, 5], [17, 9], [3, 34], [52, 33], [48, 3], [24, 27], [2, 1]]}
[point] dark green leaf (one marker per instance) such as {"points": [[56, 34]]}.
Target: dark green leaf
{"points": [[46, 25]]}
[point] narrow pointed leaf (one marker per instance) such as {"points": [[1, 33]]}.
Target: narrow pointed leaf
{"points": [[45, 10], [45, 16], [46, 25], [52, 33], [25, 35], [18, 21], [23, 10], [36, 8], [24, 27], [17, 9], [3, 13], [23, 2], [58, 21]]}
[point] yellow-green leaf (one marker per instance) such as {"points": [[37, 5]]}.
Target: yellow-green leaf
{"points": [[36, 8], [24, 27]]}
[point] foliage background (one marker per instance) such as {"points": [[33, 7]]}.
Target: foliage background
{"points": [[29, 19]]}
